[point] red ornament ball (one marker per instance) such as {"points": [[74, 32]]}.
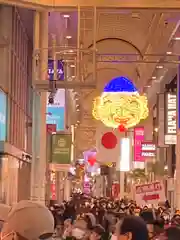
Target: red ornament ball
{"points": [[109, 140], [121, 128]]}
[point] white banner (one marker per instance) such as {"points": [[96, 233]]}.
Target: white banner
{"points": [[107, 155], [150, 193]]}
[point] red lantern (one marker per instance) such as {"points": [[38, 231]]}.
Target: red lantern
{"points": [[109, 140], [121, 128], [91, 161]]}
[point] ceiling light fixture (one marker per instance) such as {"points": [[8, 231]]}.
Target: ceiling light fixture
{"points": [[66, 16], [159, 67], [169, 53], [72, 66], [153, 77], [72, 76], [177, 38], [68, 37]]}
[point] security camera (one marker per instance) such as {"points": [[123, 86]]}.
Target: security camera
{"points": [[51, 100]]}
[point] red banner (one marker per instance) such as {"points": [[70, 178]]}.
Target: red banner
{"points": [[51, 128], [138, 139]]}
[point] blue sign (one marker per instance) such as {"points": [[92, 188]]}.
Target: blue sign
{"points": [[60, 70], [56, 115], [3, 116]]}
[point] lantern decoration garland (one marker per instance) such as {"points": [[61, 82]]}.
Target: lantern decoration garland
{"points": [[120, 105], [109, 140]]}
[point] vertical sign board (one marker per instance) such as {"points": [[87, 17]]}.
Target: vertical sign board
{"points": [[138, 139], [3, 115], [59, 67], [55, 113], [160, 116], [170, 118], [61, 149]]}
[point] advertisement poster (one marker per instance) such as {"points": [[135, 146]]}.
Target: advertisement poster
{"points": [[55, 113], [3, 116], [115, 190], [148, 149], [170, 118], [60, 70], [150, 193], [61, 148], [138, 139]]}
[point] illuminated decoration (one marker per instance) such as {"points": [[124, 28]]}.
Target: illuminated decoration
{"points": [[92, 160], [109, 140], [121, 128], [120, 105], [120, 84]]}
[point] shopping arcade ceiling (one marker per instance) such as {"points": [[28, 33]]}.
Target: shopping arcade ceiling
{"points": [[146, 34]]}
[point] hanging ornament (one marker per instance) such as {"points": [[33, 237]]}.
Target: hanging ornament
{"points": [[92, 161], [109, 140], [121, 128]]}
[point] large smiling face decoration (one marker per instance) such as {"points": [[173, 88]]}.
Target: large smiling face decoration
{"points": [[120, 104]]}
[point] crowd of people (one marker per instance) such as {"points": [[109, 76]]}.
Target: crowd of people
{"points": [[84, 218]]}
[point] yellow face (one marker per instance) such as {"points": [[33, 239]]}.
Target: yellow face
{"points": [[116, 109]]}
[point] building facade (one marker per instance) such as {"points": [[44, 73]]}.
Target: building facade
{"points": [[16, 107]]}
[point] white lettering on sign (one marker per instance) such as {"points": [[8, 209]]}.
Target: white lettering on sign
{"points": [[148, 147], [171, 113], [148, 154], [139, 132]]}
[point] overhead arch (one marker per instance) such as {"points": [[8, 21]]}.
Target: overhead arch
{"points": [[118, 39]]}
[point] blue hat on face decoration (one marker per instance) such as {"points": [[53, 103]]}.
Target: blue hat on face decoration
{"points": [[120, 84]]}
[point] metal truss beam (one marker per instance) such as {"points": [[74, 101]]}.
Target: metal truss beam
{"points": [[52, 5], [46, 85], [136, 58]]}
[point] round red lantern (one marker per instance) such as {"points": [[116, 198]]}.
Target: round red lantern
{"points": [[121, 128], [109, 140]]}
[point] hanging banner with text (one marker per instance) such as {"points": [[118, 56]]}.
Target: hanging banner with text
{"points": [[61, 148], [138, 139], [170, 118], [150, 193], [160, 116]]}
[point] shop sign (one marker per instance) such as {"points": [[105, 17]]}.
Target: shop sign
{"points": [[51, 128], [61, 148], [138, 139], [160, 116], [59, 68], [170, 118], [148, 149], [55, 113], [150, 193]]}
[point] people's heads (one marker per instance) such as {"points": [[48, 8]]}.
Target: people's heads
{"points": [[172, 233], [90, 220], [97, 232], [132, 228], [28, 220]]}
